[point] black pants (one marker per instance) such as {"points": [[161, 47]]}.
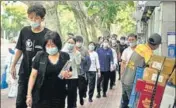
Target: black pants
{"points": [[104, 79], [91, 76], [22, 92], [72, 92], [53, 103], [119, 71], [112, 78], [82, 83]]}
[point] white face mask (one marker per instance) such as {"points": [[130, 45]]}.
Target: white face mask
{"points": [[132, 44], [79, 45], [105, 45], [122, 42], [114, 43], [91, 47]]}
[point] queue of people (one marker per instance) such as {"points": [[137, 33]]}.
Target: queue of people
{"points": [[43, 83]]}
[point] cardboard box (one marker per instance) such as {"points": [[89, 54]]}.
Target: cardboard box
{"points": [[150, 75], [145, 99], [156, 62], [168, 66], [145, 87], [172, 78]]}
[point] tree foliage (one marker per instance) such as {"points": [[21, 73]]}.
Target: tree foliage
{"points": [[14, 17]]}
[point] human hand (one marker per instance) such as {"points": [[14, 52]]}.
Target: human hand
{"points": [[13, 72], [66, 74], [29, 101], [99, 74]]}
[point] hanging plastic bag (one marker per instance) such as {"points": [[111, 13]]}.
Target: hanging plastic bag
{"points": [[4, 84], [13, 88]]}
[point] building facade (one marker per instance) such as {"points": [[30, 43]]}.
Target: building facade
{"points": [[157, 17]]}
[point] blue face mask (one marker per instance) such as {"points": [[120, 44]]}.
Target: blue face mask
{"points": [[52, 51], [34, 24]]}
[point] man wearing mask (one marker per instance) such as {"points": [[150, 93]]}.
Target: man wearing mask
{"points": [[123, 46], [132, 40], [82, 83], [106, 60], [139, 58], [100, 41], [29, 43], [116, 47]]}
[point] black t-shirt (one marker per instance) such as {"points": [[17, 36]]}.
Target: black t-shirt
{"points": [[122, 48], [53, 87], [29, 43]]}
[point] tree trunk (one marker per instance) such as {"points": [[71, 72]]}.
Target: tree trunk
{"points": [[52, 19], [80, 19]]}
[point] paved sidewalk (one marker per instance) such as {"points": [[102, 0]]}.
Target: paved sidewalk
{"points": [[111, 101]]}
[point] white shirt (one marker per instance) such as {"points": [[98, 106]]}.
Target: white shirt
{"points": [[94, 61], [114, 56], [127, 54]]}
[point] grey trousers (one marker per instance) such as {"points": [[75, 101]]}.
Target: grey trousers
{"points": [[126, 93]]}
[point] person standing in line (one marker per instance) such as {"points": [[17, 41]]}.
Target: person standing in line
{"points": [[93, 69], [123, 46], [29, 43], [82, 79], [116, 47], [113, 67], [100, 41], [132, 40], [47, 84], [75, 57], [106, 60]]}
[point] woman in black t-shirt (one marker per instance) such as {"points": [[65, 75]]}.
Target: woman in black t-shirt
{"points": [[46, 77]]}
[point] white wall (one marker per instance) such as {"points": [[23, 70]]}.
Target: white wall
{"points": [[162, 21]]}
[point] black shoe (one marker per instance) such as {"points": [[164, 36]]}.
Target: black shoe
{"points": [[98, 95], [90, 100], [84, 95], [104, 95], [110, 88], [81, 101]]}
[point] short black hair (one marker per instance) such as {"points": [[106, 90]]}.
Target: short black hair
{"points": [[114, 35], [106, 39], [70, 34], [55, 37], [100, 38], [122, 38], [92, 43], [118, 41], [74, 39], [79, 39], [132, 35], [38, 9]]}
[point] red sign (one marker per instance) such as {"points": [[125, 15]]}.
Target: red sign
{"points": [[147, 88]]}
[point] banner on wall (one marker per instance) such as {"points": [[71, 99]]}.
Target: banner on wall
{"points": [[171, 44]]}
